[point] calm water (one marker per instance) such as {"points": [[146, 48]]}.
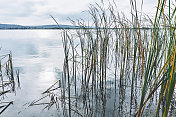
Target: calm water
{"points": [[38, 54]]}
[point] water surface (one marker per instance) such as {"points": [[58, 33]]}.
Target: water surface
{"points": [[38, 54]]}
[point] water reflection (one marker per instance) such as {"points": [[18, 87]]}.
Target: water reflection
{"points": [[84, 91], [37, 54]]}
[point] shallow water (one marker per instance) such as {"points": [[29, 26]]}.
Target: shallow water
{"points": [[37, 54]]}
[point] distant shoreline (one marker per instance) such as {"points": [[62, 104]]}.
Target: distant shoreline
{"points": [[60, 27]]}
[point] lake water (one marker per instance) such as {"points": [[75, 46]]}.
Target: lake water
{"points": [[38, 54]]}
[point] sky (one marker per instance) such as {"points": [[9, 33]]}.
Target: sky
{"points": [[37, 12]]}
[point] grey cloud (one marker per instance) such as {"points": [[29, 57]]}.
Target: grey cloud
{"points": [[33, 11], [72, 16], [17, 10]]}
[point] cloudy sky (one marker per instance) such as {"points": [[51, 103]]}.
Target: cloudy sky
{"points": [[36, 12]]}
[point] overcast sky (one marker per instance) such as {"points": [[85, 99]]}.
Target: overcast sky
{"points": [[36, 12]]}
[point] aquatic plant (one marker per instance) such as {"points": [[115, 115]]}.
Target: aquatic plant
{"points": [[130, 63], [7, 80]]}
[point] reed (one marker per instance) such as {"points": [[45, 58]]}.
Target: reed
{"points": [[7, 80], [132, 61]]}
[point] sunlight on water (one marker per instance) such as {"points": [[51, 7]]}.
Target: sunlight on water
{"points": [[37, 54], [47, 75], [44, 34]]}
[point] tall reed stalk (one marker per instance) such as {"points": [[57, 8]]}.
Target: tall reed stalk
{"points": [[130, 60]]}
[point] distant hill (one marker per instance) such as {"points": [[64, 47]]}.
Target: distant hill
{"points": [[14, 26]]}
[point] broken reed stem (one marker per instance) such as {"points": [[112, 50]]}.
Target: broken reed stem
{"points": [[6, 107], [7, 81]]}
